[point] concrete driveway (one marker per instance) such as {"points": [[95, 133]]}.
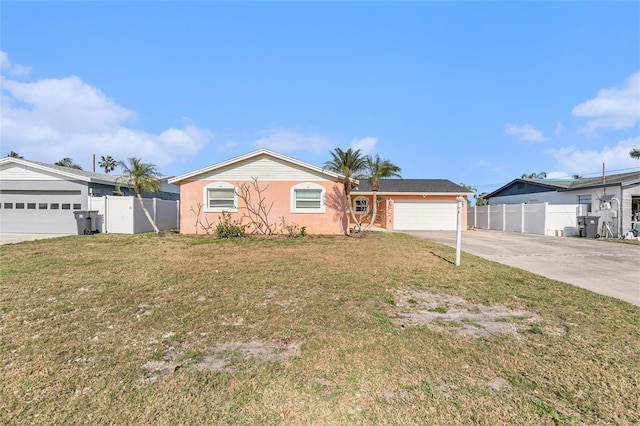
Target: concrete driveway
{"points": [[604, 267]]}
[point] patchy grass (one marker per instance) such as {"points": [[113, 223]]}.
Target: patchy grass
{"points": [[318, 330]]}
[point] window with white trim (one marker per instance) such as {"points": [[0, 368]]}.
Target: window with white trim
{"points": [[220, 197], [307, 198], [361, 205]]}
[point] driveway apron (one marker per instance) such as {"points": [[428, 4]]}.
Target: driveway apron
{"points": [[604, 267]]}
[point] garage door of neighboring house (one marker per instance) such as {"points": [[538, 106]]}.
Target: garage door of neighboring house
{"points": [[39, 212], [424, 216]]}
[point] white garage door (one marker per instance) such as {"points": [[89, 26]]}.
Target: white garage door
{"points": [[425, 216]]}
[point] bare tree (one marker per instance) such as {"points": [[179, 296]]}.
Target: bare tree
{"points": [[257, 208]]}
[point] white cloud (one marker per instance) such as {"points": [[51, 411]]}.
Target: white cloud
{"points": [[559, 129], [50, 119], [227, 145], [281, 140], [612, 108], [13, 69], [524, 133], [576, 161], [366, 144], [67, 103]]}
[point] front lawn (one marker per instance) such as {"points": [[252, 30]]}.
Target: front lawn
{"points": [[319, 330]]}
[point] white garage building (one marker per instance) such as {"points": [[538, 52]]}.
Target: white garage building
{"points": [[41, 198]]}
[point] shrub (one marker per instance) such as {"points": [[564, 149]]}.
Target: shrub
{"points": [[293, 230], [228, 228]]}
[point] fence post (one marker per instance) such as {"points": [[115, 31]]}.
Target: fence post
{"points": [[178, 214], [546, 212], [522, 217], [475, 216]]}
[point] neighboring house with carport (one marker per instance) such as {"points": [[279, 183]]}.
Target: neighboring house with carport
{"points": [[292, 193], [614, 198], [41, 198], [412, 204]]}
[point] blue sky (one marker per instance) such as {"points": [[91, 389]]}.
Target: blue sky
{"points": [[475, 92]]}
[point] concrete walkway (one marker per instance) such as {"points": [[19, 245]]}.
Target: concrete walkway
{"points": [[604, 267]]}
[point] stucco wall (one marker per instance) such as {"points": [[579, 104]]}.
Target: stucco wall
{"points": [[277, 196]]}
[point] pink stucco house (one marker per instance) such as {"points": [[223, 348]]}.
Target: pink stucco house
{"points": [[297, 193], [293, 191]]}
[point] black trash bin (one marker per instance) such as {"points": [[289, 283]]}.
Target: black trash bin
{"points": [[84, 220], [582, 226], [588, 226]]}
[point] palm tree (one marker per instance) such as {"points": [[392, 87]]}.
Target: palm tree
{"points": [[107, 163], [541, 175], [468, 187], [351, 165], [143, 177], [14, 154], [379, 169], [475, 192], [67, 162], [480, 201], [635, 153]]}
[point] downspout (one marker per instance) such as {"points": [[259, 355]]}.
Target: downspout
{"points": [[619, 213]]}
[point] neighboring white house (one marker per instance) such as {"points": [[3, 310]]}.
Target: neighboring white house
{"points": [[613, 198], [41, 198]]}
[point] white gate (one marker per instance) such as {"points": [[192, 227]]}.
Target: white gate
{"points": [[124, 215]]}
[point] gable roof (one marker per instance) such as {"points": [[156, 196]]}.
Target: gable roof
{"points": [[255, 154], [413, 186], [71, 173], [67, 172], [561, 185]]}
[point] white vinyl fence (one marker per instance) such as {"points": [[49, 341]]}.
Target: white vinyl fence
{"points": [[123, 215], [541, 219]]}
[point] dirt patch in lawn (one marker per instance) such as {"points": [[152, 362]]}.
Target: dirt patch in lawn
{"points": [[456, 315], [225, 357]]}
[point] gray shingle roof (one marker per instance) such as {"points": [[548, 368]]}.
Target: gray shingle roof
{"points": [[612, 180], [571, 185], [84, 174], [559, 183], [80, 173], [413, 186]]}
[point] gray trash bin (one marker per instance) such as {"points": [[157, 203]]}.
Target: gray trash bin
{"points": [[84, 220], [588, 226]]}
